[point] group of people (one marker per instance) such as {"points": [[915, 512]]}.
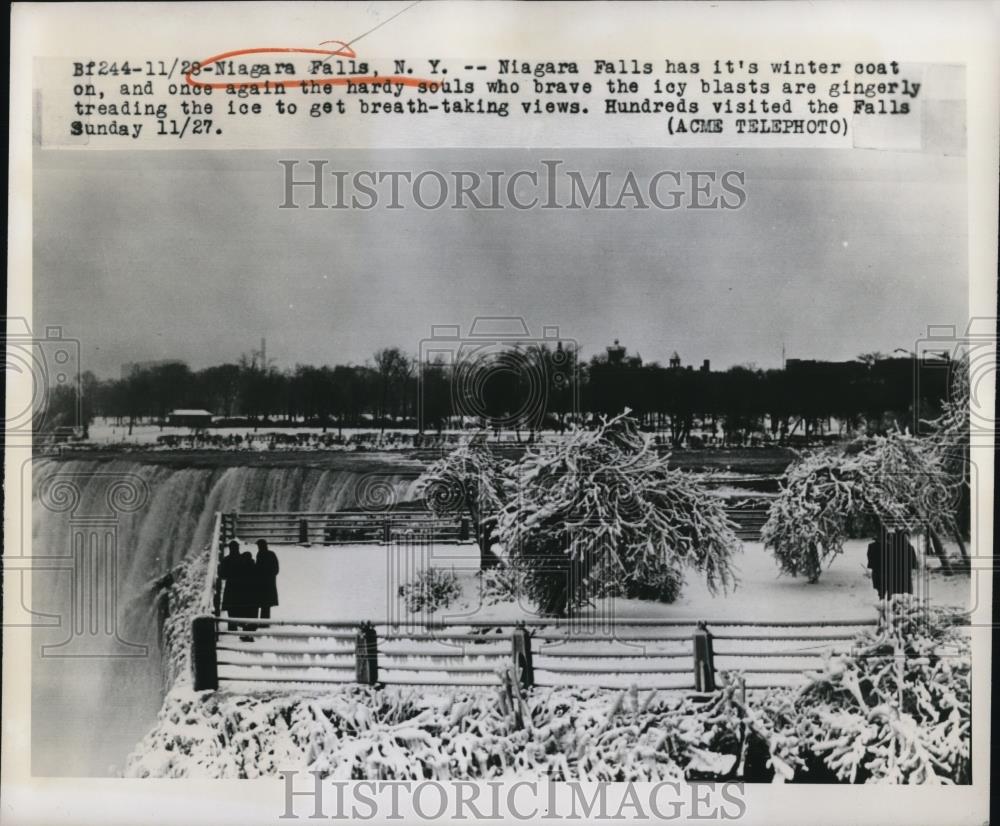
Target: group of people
{"points": [[250, 585]]}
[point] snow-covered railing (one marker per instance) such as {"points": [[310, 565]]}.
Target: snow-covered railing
{"points": [[211, 590], [347, 527], [609, 653], [383, 527]]}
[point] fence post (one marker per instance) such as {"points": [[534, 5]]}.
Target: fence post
{"points": [[228, 526], [704, 659], [366, 654], [204, 661], [521, 654], [303, 531], [385, 531], [463, 530]]}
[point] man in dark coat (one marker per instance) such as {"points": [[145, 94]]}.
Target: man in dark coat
{"points": [[247, 594], [892, 561], [234, 584], [266, 570]]}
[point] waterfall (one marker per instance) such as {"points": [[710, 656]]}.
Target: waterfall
{"points": [[109, 529]]}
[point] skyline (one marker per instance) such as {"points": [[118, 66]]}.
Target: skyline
{"points": [[585, 358]]}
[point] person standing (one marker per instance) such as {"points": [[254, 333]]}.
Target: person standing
{"points": [[246, 592], [892, 561], [230, 567], [266, 571]]}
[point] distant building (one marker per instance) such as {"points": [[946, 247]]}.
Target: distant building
{"points": [[131, 367], [706, 366], [619, 356], [189, 418], [675, 361], [616, 353]]}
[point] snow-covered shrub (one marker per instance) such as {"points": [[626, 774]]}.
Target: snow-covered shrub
{"points": [[388, 733], [897, 709], [393, 733], [502, 583], [431, 589], [722, 736], [897, 480], [602, 508]]}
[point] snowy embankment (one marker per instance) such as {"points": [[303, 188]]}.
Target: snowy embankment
{"points": [[401, 732], [408, 733]]}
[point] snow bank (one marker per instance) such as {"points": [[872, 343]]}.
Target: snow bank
{"points": [[358, 732]]}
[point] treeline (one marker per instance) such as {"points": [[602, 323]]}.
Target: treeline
{"points": [[530, 388]]}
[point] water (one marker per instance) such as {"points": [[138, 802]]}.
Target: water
{"points": [[129, 523]]}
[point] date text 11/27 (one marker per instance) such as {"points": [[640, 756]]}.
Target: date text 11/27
{"points": [[194, 126]]}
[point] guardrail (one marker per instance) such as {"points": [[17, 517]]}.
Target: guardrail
{"points": [[672, 655], [212, 589], [347, 527], [383, 527]]}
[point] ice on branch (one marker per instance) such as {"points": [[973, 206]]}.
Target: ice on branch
{"points": [[600, 511], [897, 480], [898, 709]]}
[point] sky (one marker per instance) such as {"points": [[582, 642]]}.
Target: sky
{"points": [[185, 254]]}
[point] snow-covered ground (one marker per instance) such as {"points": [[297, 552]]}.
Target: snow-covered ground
{"points": [[361, 583]]}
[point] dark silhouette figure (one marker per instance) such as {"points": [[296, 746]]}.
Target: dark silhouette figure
{"points": [[230, 567], [266, 575], [892, 561], [236, 570], [247, 578]]}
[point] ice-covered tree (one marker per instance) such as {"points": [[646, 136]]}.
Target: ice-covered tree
{"points": [[898, 708], [469, 481], [951, 439], [896, 480], [602, 510]]}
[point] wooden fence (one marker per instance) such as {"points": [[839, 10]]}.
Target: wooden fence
{"points": [[344, 527], [673, 655], [383, 527]]}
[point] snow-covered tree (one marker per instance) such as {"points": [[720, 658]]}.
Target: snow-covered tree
{"points": [[469, 481], [897, 709], [951, 439], [601, 509], [896, 480]]}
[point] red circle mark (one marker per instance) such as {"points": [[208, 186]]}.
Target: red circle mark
{"points": [[344, 51]]}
